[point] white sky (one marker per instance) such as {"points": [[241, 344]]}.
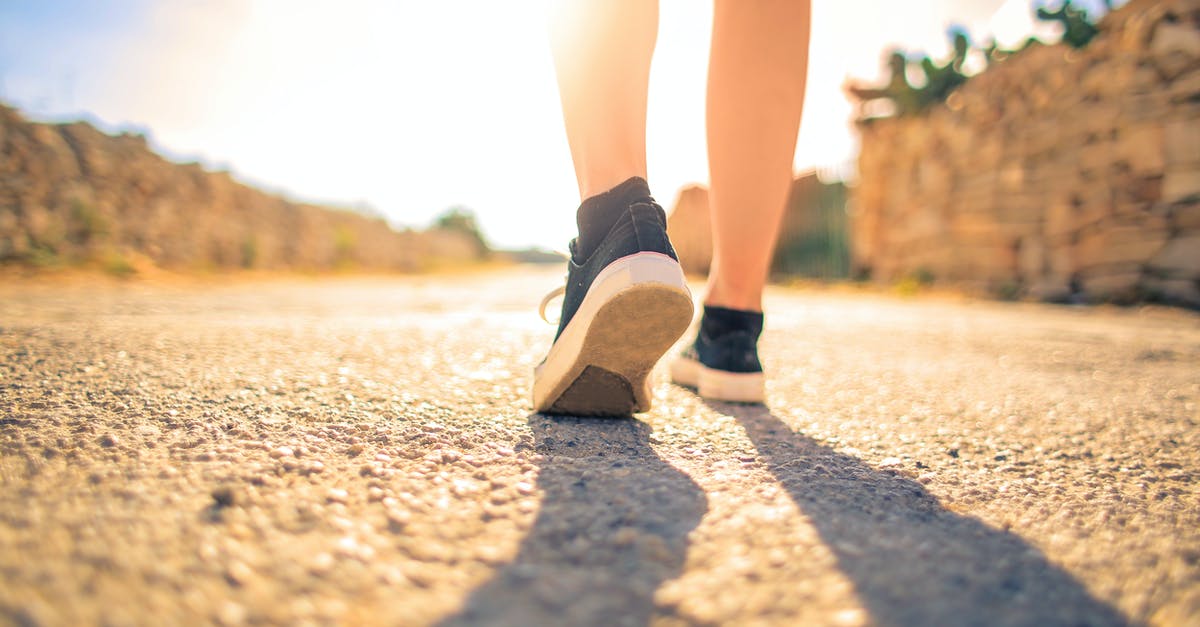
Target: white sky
{"points": [[410, 107]]}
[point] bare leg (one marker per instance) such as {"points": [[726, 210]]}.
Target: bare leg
{"points": [[602, 51], [756, 78]]}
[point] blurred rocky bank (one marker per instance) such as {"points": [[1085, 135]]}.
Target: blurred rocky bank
{"points": [[1057, 174], [73, 196]]}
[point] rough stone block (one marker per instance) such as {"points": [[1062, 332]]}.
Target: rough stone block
{"points": [[1184, 89], [1096, 158], [1179, 258], [1185, 218], [1097, 119], [1031, 258], [1051, 289], [988, 262], [974, 226], [1119, 284], [1060, 218], [1108, 244], [1042, 136], [1182, 143], [1181, 185], [1175, 48], [1144, 107], [1092, 202], [1174, 291], [1142, 147]]}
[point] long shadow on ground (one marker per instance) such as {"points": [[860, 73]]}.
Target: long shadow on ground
{"points": [[612, 527], [912, 561]]}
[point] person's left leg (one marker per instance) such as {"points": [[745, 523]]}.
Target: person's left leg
{"points": [[756, 81]]}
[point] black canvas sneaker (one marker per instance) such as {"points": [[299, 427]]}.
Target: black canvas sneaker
{"points": [[624, 304], [722, 364]]}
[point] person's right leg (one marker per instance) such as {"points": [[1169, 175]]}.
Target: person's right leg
{"points": [[626, 301], [756, 80]]}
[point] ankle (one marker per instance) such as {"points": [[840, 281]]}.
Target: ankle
{"points": [[721, 321], [740, 301], [598, 214]]}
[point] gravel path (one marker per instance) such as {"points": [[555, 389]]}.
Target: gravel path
{"points": [[361, 451]]}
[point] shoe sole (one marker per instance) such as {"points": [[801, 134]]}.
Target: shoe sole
{"points": [[719, 385], [634, 311]]}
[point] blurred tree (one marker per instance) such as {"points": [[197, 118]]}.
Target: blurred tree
{"points": [[941, 80], [462, 220], [903, 95], [1078, 30]]}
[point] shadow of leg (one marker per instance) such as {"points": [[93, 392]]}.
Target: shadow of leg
{"points": [[612, 527], [913, 562]]}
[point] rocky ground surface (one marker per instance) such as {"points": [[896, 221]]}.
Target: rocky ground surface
{"points": [[361, 451]]}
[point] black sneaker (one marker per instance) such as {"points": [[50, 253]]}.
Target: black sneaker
{"points": [[625, 303], [722, 364]]}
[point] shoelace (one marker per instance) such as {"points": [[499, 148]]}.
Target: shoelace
{"points": [[558, 291], [549, 298]]}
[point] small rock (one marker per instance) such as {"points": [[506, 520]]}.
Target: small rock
{"points": [[890, 461], [109, 440], [224, 496], [393, 576], [524, 488], [321, 563], [231, 614], [398, 519], [850, 618], [283, 451], [238, 573], [337, 495]]}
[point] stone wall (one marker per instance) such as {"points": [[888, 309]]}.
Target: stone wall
{"points": [[71, 195], [1056, 174]]}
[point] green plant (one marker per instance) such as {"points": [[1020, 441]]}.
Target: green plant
{"points": [[462, 220], [344, 241], [1078, 30], [41, 255], [88, 225], [117, 265], [1007, 290], [249, 252]]}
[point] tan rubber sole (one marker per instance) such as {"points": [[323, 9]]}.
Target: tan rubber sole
{"points": [[718, 385], [623, 342]]}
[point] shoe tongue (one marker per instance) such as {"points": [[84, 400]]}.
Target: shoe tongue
{"points": [[597, 215]]}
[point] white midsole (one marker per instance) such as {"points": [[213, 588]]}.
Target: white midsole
{"points": [[741, 387], [627, 272]]}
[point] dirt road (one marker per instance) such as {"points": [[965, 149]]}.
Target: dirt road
{"points": [[361, 451]]}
